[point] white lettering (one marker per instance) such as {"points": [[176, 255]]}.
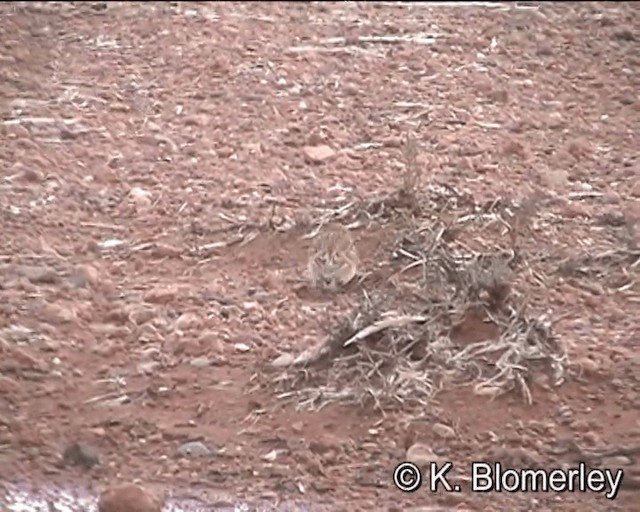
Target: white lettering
{"points": [[439, 476], [510, 480], [557, 481], [487, 477], [534, 480], [573, 476], [614, 482], [481, 477], [596, 480]]}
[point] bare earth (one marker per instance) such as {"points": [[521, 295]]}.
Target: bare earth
{"points": [[161, 166]]}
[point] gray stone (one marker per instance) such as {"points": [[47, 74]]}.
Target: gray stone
{"points": [[81, 454], [194, 449]]}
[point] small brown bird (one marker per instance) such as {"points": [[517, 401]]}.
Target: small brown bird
{"points": [[333, 258]]}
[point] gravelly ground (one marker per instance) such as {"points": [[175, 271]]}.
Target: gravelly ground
{"points": [[135, 133]]}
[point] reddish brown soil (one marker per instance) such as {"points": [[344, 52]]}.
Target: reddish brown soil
{"points": [[207, 107]]}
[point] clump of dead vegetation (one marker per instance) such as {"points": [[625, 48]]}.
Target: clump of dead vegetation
{"points": [[398, 346], [458, 266]]}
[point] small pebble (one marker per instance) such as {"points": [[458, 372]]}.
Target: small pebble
{"points": [[616, 461], [283, 361], [194, 449], [444, 431], [81, 454], [128, 498], [200, 362]]}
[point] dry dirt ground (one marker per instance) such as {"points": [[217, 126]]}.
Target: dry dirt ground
{"points": [[161, 166]]}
